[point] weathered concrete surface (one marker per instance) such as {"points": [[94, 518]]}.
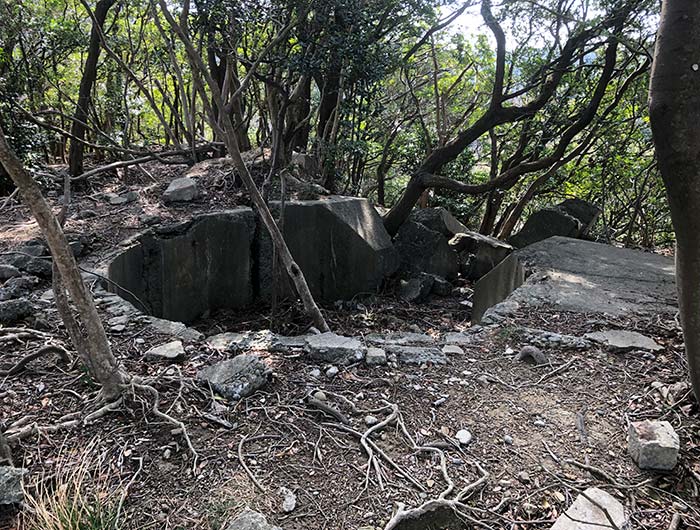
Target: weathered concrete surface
{"points": [[340, 243], [653, 444], [478, 254], [438, 219], [423, 250], [586, 515], [580, 276], [622, 340], [182, 271], [238, 377], [497, 285]]}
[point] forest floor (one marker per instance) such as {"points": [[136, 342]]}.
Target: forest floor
{"points": [[542, 433]]}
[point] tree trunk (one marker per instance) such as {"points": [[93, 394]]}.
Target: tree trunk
{"points": [[85, 91], [97, 356], [674, 108]]}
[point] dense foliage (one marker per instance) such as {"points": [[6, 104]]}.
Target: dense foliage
{"points": [[372, 89]]}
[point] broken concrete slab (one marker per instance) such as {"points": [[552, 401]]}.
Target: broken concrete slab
{"points": [[439, 220], [336, 349], [340, 244], [375, 357], [407, 338], [175, 329], [416, 354], [170, 351], [11, 484], [181, 271], [594, 509], [181, 189], [263, 340], [579, 276], [653, 445], [621, 340], [238, 377], [423, 250], [478, 253]]}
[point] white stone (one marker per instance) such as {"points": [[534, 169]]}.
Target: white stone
{"points": [[586, 515], [169, 351], [289, 500], [653, 445], [463, 436]]}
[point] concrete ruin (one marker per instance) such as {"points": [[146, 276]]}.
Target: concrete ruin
{"points": [[223, 260], [579, 276]]}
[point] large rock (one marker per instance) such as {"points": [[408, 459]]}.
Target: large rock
{"points": [[571, 218], [238, 377], [181, 189], [566, 274], [8, 271], [622, 340], [335, 349], [478, 254], [18, 287], [586, 515], [653, 445], [422, 249], [13, 310], [11, 484], [340, 244], [438, 219], [250, 520]]}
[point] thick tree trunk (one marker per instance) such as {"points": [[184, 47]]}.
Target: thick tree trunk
{"points": [[98, 357], [674, 108], [86, 83]]}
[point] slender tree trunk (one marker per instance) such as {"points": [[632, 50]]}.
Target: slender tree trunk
{"points": [[97, 354], [86, 83], [674, 108]]}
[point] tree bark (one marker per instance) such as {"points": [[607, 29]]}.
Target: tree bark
{"points": [[86, 83], [97, 356], [674, 109]]}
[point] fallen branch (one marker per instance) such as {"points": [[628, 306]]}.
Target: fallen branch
{"points": [[24, 361]]}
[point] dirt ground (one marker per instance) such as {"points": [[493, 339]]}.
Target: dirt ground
{"points": [[540, 433]]}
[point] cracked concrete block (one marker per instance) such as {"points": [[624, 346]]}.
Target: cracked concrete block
{"points": [[593, 510], [653, 445]]}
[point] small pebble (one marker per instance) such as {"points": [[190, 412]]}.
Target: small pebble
{"points": [[320, 395], [508, 439], [539, 423], [524, 477], [315, 372], [463, 436], [371, 420], [332, 371]]}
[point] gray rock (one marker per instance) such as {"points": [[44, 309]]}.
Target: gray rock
{"points": [[250, 520], [531, 354], [586, 515], [263, 340], [175, 329], [11, 484], [336, 349], [452, 349], [545, 339], [424, 250], [8, 271], [584, 211], [441, 286], [238, 377], [416, 289], [417, 354], [332, 371], [621, 340], [37, 266], [478, 254], [371, 420], [457, 338], [181, 189], [439, 220], [18, 287], [571, 218], [170, 351], [13, 310], [400, 339], [375, 357], [653, 445]]}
